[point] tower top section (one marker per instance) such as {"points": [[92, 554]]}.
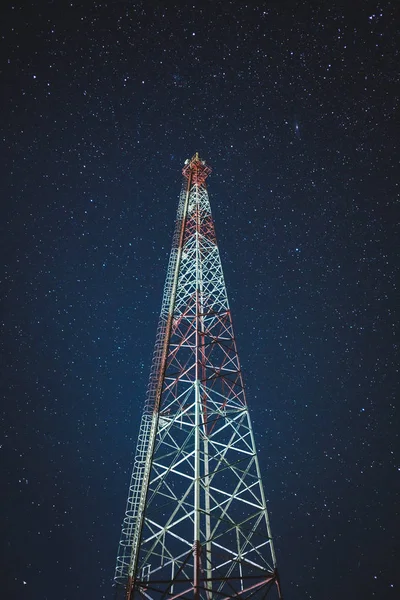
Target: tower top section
{"points": [[196, 170]]}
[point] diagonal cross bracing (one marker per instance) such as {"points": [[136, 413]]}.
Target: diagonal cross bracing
{"points": [[196, 523]]}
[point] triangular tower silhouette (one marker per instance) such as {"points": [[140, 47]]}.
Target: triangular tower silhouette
{"points": [[196, 523]]}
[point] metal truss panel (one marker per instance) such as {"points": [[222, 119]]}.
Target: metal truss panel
{"points": [[196, 522]]}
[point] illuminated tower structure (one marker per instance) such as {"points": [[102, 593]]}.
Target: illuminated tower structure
{"points": [[196, 523]]}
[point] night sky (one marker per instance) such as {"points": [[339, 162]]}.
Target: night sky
{"points": [[293, 105]]}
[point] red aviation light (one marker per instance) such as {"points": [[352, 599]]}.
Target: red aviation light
{"points": [[196, 169]]}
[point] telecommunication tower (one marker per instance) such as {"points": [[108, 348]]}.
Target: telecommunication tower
{"points": [[196, 523]]}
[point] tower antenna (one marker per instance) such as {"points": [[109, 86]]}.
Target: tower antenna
{"points": [[196, 523]]}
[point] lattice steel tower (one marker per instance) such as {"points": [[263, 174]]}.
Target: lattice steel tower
{"points": [[196, 523]]}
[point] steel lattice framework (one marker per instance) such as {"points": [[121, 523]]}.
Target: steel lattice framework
{"points": [[196, 522]]}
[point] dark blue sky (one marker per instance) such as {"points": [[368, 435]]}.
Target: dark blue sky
{"points": [[293, 105]]}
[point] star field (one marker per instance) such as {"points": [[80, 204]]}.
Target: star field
{"points": [[293, 104]]}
